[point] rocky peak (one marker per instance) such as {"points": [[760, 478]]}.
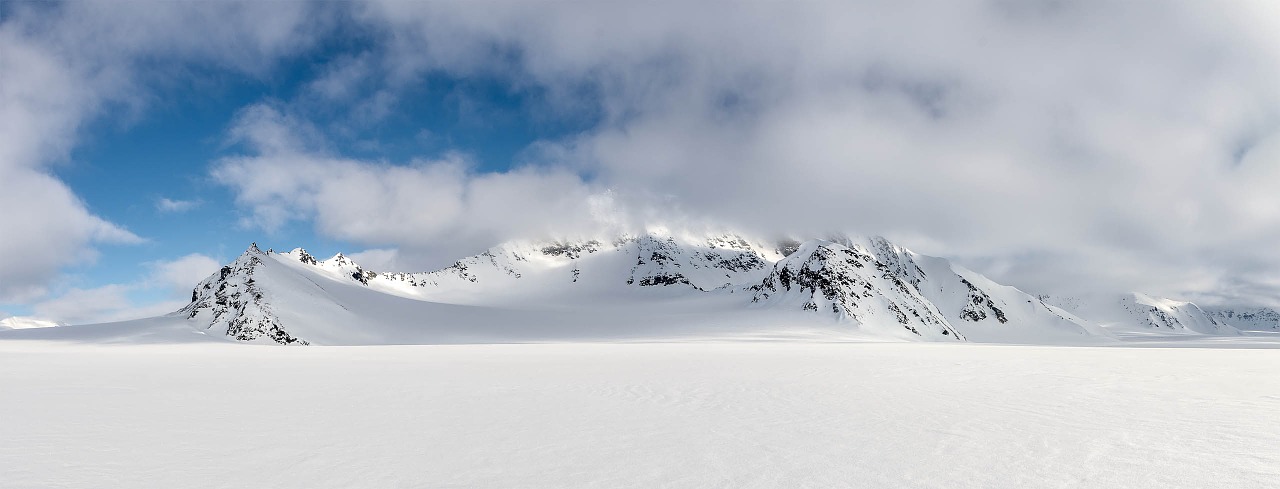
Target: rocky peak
{"points": [[850, 283], [570, 249], [231, 302], [343, 266], [714, 262], [302, 256], [340, 260]]}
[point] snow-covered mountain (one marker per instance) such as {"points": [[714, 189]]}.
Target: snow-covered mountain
{"points": [[886, 288], [1135, 312], [654, 285], [237, 301], [1247, 319]]}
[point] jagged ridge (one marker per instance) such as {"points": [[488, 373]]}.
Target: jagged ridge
{"points": [[870, 284]]}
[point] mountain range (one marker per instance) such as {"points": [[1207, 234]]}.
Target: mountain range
{"points": [[659, 285]]}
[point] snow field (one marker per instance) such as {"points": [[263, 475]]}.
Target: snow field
{"points": [[744, 414]]}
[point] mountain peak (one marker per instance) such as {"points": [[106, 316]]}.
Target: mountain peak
{"points": [[234, 302], [341, 260], [302, 256]]}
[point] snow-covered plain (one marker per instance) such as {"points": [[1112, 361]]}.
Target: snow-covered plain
{"points": [[667, 414]]}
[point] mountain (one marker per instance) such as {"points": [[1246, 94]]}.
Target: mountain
{"points": [[657, 284], [886, 288], [1248, 319], [1135, 312], [236, 301], [649, 286]]}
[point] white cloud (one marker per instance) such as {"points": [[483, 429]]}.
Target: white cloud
{"points": [[439, 204], [379, 259], [1119, 145], [168, 284], [1055, 145], [62, 65], [44, 228], [171, 206], [1099, 142], [183, 273], [80, 306]]}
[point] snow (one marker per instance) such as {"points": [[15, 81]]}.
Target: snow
{"points": [[27, 322], [656, 414]]}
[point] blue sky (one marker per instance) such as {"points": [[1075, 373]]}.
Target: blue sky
{"points": [[166, 153], [1056, 146], [147, 169]]}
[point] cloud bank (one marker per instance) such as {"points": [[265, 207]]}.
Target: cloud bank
{"points": [[1059, 146], [1055, 145]]}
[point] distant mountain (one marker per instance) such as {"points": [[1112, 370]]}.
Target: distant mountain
{"points": [[1139, 312], [1247, 319]]}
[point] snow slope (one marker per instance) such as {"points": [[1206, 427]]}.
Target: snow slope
{"points": [[747, 414]]}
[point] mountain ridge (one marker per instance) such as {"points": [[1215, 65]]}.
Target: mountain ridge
{"points": [[865, 284], [662, 285]]}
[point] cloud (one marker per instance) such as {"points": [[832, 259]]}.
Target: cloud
{"points": [[379, 259], [1053, 145], [170, 206], [166, 288], [183, 273], [63, 65], [1095, 145], [440, 204], [99, 304], [44, 228]]}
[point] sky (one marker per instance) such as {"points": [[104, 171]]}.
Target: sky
{"points": [[1055, 145]]}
